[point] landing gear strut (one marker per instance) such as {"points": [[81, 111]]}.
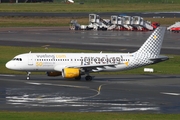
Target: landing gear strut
{"points": [[28, 75]]}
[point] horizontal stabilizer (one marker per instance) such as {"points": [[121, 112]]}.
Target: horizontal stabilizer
{"points": [[159, 59]]}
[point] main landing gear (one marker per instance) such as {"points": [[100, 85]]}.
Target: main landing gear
{"points": [[28, 75], [88, 78]]}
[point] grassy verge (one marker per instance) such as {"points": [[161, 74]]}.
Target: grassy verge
{"points": [[171, 66], [33, 21], [89, 7], [84, 116]]}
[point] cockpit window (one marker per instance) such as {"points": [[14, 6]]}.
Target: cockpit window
{"points": [[17, 59]]}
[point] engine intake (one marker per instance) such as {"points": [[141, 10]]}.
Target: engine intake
{"points": [[70, 72]]}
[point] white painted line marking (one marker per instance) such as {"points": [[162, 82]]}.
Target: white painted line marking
{"points": [[60, 85], [175, 94], [6, 75]]}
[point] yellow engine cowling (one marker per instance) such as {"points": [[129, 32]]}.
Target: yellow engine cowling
{"points": [[54, 73], [70, 72]]}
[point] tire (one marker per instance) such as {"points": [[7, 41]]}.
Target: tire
{"points": [[88, 78]]}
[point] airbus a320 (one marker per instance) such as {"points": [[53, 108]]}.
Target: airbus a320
{"points": [[74, 65]]}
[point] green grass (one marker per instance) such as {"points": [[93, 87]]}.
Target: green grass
{"points": [[124, 1], [89, 7], [94, 7], [34, 21], [171, 66], [84, 116]]}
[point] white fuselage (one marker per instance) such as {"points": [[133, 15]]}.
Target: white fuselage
{"points": [[58, 61]]}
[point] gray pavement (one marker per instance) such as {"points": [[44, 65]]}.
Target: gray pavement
{"points": [[106, 93], [118, 41], [86, 14]]}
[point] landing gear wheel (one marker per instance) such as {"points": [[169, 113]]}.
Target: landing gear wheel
{"points": [[78, 78], [28, 77], [88, 78]]}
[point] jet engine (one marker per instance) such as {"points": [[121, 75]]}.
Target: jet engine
{"points": [[54, 73], [70, 72]]}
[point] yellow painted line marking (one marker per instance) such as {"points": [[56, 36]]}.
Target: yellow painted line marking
{"points": [[73, 86], [99, 89]]}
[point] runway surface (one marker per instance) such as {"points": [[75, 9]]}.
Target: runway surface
{"points": [[118, 41], [116, 93]]}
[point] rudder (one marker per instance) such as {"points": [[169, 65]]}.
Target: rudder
{"points": [[152, 47]]}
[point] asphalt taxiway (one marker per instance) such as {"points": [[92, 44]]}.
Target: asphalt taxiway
{"points": [[102, 14], [62, 37], [107, 93]]}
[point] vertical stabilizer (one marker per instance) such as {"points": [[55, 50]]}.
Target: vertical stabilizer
{"points": [[152, 47]]}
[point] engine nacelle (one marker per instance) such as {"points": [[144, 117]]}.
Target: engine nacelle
{"points": [[70, 72], [54, 73]]}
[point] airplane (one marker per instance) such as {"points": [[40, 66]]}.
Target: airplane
{"points": [[74, 65]]}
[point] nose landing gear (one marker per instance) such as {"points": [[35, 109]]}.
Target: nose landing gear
{"points": [[28, 75]]}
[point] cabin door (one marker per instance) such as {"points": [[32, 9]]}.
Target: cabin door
{"points": [[30, 59]]}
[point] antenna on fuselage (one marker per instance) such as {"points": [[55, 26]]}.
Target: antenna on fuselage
{"points": [[45, 46]]}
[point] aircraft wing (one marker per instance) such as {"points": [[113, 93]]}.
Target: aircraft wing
{"points": [[92, 66], [86, 67]]}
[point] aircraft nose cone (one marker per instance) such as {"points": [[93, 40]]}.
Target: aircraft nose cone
{"points": [[9, 65]]}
